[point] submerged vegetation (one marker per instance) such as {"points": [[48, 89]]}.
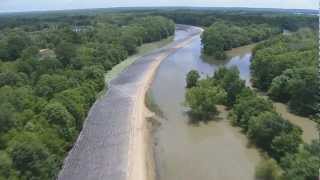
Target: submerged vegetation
{"points": [[265, 128], [192, 78], [286, 67], [49, 78], [52, 67]]}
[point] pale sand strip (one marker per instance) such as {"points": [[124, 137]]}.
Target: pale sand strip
{"points": [[138, 168]]}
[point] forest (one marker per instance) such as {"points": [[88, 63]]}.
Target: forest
{"points": [[222, 36], [52, 68], [284, 65], [287, 156], [50, 75]]}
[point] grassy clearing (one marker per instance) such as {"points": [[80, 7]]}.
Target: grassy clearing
{"points": [[142, 50]]}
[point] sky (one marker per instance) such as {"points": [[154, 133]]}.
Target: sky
{"points": [[42, 5]]}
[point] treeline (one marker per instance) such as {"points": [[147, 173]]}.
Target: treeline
{"points": [[222, 36], [49, 79], [286, 67], [206, 17], [279, 138]]}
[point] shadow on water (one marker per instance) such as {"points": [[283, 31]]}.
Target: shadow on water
{"points": [[196, 119]]}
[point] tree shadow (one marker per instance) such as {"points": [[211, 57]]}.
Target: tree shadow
{"points": [[196, 119]]}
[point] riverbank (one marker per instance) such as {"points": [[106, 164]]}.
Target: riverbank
{"points": [[308, 126], [196, 151], [141, 162], [113, 141], [141, 51]]}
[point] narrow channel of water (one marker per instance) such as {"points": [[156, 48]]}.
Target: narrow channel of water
{"points": [[206, 151]]}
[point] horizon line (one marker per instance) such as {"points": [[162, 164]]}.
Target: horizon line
{"points": [[133, 7]]}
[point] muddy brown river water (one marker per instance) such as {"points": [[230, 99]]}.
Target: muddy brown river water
{"points": [[215, 150], [212, 151]]}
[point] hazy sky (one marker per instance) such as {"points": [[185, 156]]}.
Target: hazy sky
{"points": [[30, 5]]}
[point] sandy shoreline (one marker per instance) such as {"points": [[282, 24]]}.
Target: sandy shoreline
{"points": [[141, 162], [114, 143]]}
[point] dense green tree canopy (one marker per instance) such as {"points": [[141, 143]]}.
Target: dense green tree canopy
{"points": [[280, 139], [192, 78], [50, 76], [203, 101], [285, 66], [222, 36]]}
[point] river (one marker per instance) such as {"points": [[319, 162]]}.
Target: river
{"points": [[211, 151], [215, 150]]}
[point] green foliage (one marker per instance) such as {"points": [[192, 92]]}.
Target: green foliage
{"points": [[51, 84], [230, 81], [265, 128], [222, 36], [13, 45], [207, 16], [7, 118], [248, 107], [286, 143], [65, 52], [58, 115], [272, 133], [285, 66], [299, 87], [268, 169], [50, 75], [222, 88], [76, 103], [11, 79], [5, 165], [45, 96], [303, 165], [192, 78], [30, 157], [203, 101]]}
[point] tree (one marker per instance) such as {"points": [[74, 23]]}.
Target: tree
{"points": [[268, 131], [279, 89], [299, 86], [203, 101], [65, 51], [5, 165], [268, 169], [75, 102], [16, 42], [44, 96], [230, 81], [48, 85], [248, 107], [30, 157], [11, 79], [302, 165], [129, 42], [286, 143], [192, 78], [223, 35], [58, 115], [285, 67], [95, 74], [7, 118], [303, 88]]}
